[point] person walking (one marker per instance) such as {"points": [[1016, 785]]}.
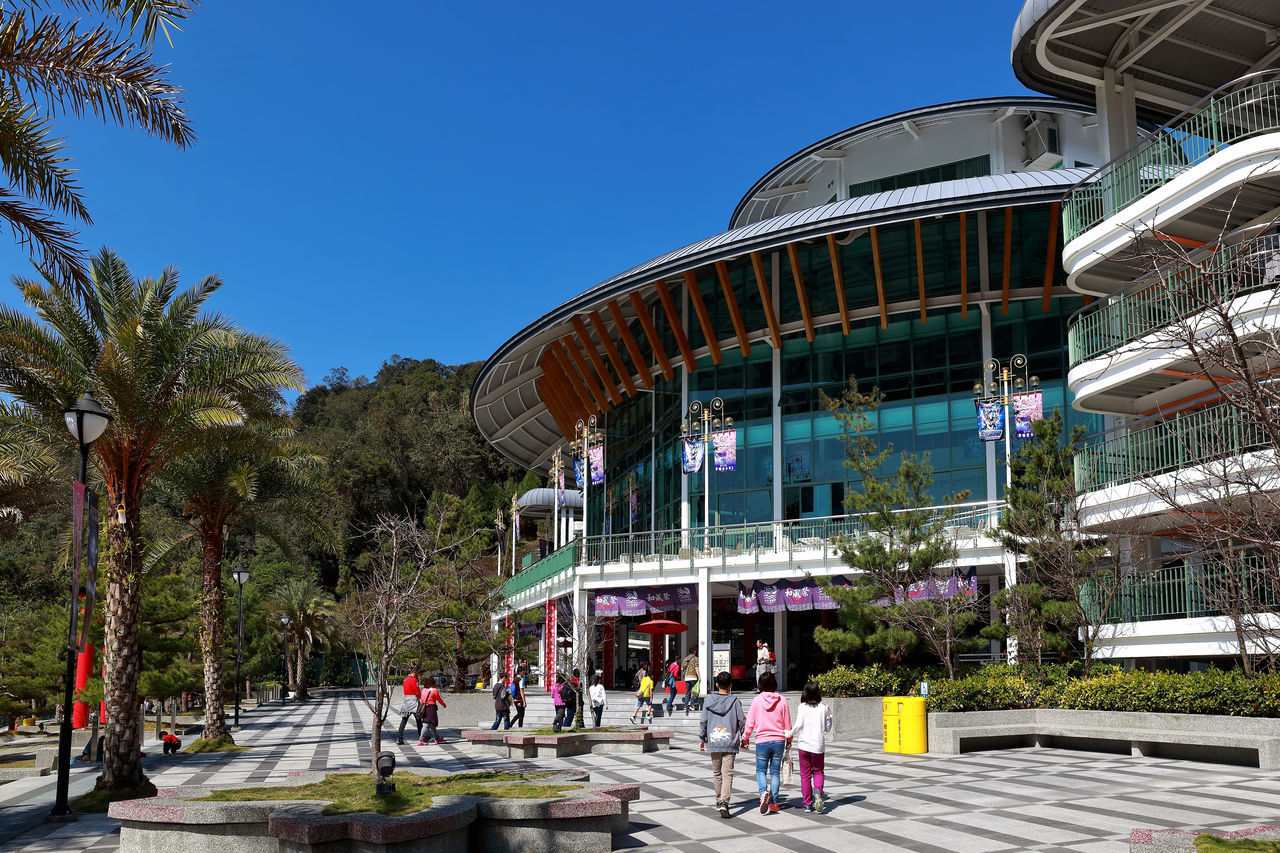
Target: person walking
{"points": [[769, 719], [409, 705], [573, 699], [518, 697], [765, 661], [644, 696], [557, 700], [719, 729], [813, 721], [501, 704], [430, 702], [669, 681], [599, 700], [690, 679]]}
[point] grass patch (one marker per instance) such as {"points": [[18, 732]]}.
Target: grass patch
{"points": [[1212, 844], [98, 801], [222, 744], [17, 762], [353, 792]]}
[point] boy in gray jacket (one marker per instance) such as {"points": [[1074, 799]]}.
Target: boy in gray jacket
{"points": [[720, 732]]}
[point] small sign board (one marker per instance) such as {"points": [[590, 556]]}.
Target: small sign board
{"points": [[924, 688]]}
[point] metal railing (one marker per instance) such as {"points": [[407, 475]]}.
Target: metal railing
{"points": [[1213, 276], [1242, 108], [1187, 589], [741, 544], [1183, 440]]}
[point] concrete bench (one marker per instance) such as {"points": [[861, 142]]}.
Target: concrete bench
{"points": [[583, 821], [1233, 740], [515, 745]]}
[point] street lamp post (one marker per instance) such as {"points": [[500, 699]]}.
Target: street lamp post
{"points": [[241, 575], [1001, 381], [284, 691], [557, 467], [704, 421], [587, 433], [86, 420]]}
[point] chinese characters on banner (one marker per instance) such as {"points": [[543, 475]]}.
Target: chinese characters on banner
{"points": [[726, 449], [691, 453], [1028, 407], [510, 662], [990, 419], [596, 454], [549, 646]]}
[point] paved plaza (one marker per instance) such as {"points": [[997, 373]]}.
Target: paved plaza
{"points": [[1024, 799]]}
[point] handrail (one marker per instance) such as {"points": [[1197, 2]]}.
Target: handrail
{"points": [[683, 547], [1244, 107], [1212, 276], [1184, 589]]}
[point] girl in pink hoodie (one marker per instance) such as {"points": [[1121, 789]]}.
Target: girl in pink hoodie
{"points": [[769, 718]]}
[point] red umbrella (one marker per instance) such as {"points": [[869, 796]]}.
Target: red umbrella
{"points": [[661, 627]]}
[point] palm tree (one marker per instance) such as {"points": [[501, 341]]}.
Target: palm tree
{"points": [[50, 68], [167, 373], [312, 616], [253, 476]]}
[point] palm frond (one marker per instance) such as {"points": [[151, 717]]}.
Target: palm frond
{"points": [[33, 161], [57, 253]]}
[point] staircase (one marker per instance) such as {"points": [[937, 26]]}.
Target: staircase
{"points": [[540, 713]]}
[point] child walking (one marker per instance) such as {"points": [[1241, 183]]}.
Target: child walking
{"points": [[430, 699], [769, 718], [719, 731], [813, 721], [644, 697]]}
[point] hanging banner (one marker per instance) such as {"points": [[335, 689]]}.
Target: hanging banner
{"points": [[606, 604], [770, 596], [596, 454], [511, 651], [685, 597], [549, 637], [990, 419], [691, 453], [659, 599], [515, 518], [632, 604], [747, 602], [560, 487], [577, 472], [822, 600], [635, 507], [799, 595], [1028, 408], [77, 532], [726, 449], [91, 565]]}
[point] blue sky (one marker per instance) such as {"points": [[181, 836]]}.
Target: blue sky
{"points": [[428, 181]]}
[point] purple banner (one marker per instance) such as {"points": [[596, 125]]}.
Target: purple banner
{"points": [[632, 604], [596, 454], [770, 597], [798, 595], [685, 597], [1028, 407], [823, 601], [91, 564], [660, 599], [747, 602], [606, 604], [726, 449]]}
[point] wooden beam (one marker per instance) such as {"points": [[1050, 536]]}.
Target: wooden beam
{"points": [[615, 357], [629, 341], [766, 300], [606, 381], [642, 313], [924, 314], [1088, 299], [838, 276], [739, 328], [1186, 242], [1050, 255], [569, 395], [572, 346], [677, 328], [704, 319], [800, 292], [875, 260], [561, 356], [1008, 251], [964, 267], [553, 406]]}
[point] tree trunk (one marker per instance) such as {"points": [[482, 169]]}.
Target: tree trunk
{"points": [[215, 718], [303, 673], [375, 740], [121, 761]]}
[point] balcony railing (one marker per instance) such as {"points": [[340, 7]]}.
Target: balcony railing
{"points": [[1188, 589], [740, 544], [1171, 294], [1184, 440], [1243, 108]]}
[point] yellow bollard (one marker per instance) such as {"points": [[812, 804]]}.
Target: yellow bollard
{"points": [[913, 725], [892, 724]]}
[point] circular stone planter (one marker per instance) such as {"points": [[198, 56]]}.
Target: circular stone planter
{"points": [[582, 820]]}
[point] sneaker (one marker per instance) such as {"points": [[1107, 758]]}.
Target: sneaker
{"points": [[817, 802], [439, 740], [400, 742], [808, 809], [422, 743], [724, 810], [764, 804], [774, 807]]}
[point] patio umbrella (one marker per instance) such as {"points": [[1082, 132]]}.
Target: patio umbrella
{"points": [[661, 627]]}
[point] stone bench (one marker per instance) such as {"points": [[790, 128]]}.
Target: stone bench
{"points": [[1234, 740], [515, 745], [583, 821]]}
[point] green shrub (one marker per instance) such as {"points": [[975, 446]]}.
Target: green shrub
{"points": [[874, 680], [991, 688]]}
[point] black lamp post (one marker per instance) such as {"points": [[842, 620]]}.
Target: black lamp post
{"points": [[241, 575], [284, 691], [86, 420]]}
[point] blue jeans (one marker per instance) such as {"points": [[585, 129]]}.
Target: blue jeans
{"points": [[499, 718], [671, 697], [769, 766]]}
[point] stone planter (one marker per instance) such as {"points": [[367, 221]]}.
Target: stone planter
{"points": [[583, 820]]}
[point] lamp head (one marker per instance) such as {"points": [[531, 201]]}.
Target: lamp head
{"points": [[241, 574], [386, 763], [978, 388], [285, 620], [86, 420]]}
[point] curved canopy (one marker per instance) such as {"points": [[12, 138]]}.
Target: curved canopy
{"points": [[541, 503]]}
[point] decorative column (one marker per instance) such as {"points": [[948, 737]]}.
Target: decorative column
{"points": [[607, 653], [780, 647], [549, 646], [706, 676]]}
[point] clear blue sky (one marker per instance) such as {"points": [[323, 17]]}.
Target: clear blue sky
{"points": [[427, 181]]}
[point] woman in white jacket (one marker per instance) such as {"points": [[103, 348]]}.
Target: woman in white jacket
{"points": [[812, 722], [598, 699]]}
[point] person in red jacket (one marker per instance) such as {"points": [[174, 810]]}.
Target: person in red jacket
{"points": [[410, 706]]}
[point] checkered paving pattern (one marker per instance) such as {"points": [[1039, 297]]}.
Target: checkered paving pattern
{"points": [[1025, 799]]}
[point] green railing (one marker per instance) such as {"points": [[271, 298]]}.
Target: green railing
{"points": [[772, 541], [1187, 589], [1243, 108], [1211, 277], [1183, 440]]}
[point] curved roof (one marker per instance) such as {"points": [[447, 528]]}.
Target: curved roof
{"points": [[805, 163], [1175, 51], [545, 499], [507, 405]]}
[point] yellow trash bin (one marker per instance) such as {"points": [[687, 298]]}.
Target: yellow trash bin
{"points": [[912, 725], [892, 724]]}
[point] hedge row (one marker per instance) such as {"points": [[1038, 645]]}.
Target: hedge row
{"points": [[1002, 688]]}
